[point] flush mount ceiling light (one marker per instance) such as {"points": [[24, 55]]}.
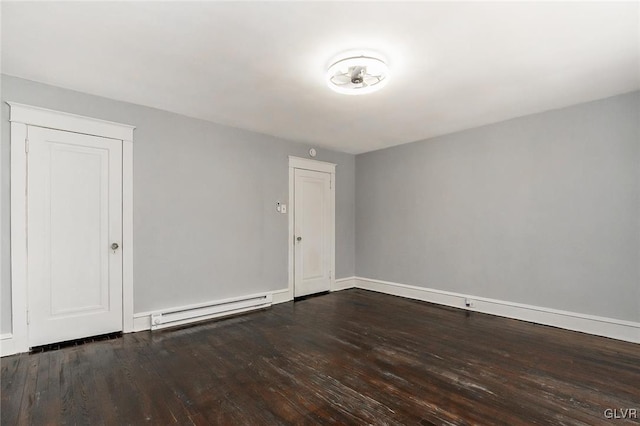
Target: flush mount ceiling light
{"points": [[358, 74]]}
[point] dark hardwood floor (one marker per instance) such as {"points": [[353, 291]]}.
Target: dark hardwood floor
{"points": [[352, 357]]}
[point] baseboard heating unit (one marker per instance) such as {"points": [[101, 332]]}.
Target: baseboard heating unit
{"points": [[193, 313]]}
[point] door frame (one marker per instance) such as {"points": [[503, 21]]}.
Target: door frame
{"points": [[317, 166], [21, 117]]}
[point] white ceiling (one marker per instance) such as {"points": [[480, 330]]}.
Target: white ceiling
{"points": [[260, 66]]}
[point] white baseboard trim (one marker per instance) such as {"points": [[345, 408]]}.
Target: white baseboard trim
{"points": [[601, 326], [6, 345], [286, 295], [344, 283], [281, 296], [141, 322]]}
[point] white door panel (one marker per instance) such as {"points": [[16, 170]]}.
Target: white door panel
{"points": [[312, 226], [74, 214]]}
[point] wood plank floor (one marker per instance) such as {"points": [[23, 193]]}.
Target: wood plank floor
{"points": [[352, 357]]}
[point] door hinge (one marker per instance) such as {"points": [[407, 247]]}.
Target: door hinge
{"points": [[330, 184], [28, 317], [26, 145]]}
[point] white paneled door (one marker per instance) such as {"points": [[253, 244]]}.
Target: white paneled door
{"points": [[312, 228], [74, 233]]}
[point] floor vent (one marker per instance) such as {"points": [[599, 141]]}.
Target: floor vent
{"points": [[180, 316]]}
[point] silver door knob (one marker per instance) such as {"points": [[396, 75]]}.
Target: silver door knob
{"points": [[114, 246], [299, 239]]}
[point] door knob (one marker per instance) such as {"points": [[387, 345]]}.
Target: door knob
{"points": [[299, 239], [114, 246]]}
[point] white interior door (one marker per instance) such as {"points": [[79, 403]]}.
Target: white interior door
{"points": [[312, 226], [74, 215]]}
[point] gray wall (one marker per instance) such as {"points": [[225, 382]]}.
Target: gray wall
{"points": [[542, 210], [204, 202]]}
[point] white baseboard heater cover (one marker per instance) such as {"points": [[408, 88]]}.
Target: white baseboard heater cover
{"points": [[179, 316]]}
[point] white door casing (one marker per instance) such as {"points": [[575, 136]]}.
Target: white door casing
{"points": [[74, 214], [312, 218], [23, 117]]}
